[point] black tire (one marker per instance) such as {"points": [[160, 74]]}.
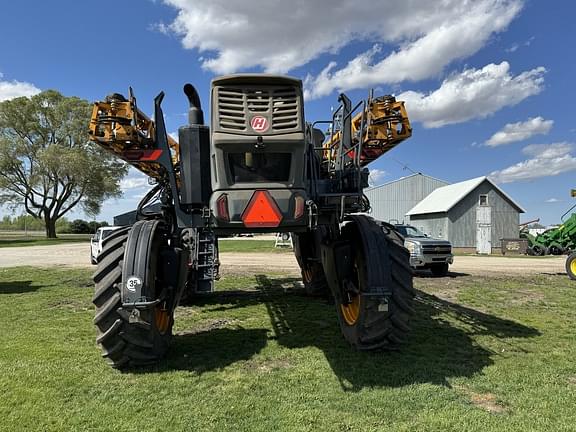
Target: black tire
{"points": [[314, 279], [378, 325], [313, 276], [555, 250], [124, 344], [539, 250], [439, 270], [571, 266]]}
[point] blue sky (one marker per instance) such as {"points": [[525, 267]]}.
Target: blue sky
{"points": [[488, 84]]}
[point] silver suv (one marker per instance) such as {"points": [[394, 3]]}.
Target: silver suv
{"points": [[426, 252]]}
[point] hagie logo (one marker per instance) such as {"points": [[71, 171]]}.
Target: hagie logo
{"points": [[259, 124]]}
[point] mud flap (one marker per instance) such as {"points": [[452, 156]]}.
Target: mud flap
{"points": [[338, 260], [137, 273]]}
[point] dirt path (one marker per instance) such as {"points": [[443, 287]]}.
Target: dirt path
{"points": [[77, 255]]}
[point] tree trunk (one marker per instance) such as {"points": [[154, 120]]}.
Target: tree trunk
{"points": [[50, 227]]}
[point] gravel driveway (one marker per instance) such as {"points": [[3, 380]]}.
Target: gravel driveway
{"points": [[77, 255]]}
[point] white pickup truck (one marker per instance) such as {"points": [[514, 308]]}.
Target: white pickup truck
{"points": [[426, 252], [97, 239]]}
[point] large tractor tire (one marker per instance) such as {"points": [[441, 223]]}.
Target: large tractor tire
{"points": [[314, 279], [128, 338], [571, 266], [313, 276], [367, 322]]}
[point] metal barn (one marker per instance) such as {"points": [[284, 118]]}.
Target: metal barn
{"points": [[474, 214], [391, 201]]}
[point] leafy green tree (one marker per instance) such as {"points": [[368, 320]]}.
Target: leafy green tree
{"points": [[47, 163], [79, 226]]}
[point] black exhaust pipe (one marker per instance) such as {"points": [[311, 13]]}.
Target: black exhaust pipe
{"points": [[195, 114]]}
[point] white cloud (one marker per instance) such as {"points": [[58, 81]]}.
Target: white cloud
{"points": [[14, 89], [474, 93], [279, 36], [134, 182], [553, 200], [459, 36], [520, 131], [546, 160], [376, 176]]}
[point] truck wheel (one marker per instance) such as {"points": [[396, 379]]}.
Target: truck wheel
{"points": [[368, 322], [439, 270], [571, 266], [126, 341]]}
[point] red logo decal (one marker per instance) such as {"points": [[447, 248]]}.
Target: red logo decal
{"points": [[259, 124]]}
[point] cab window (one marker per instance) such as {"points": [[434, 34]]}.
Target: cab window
{"points": [[259, 167]]}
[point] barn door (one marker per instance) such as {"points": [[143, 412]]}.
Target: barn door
{"points": [[483, 230]]}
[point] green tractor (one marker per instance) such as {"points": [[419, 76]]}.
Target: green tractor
{"points": [[557, 241], [258, 167]]}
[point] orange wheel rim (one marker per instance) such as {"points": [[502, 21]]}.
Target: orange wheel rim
{"points": [[351, 311], [162, 319]]}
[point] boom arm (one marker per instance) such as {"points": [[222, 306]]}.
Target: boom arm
{"points": [[121, 128], [379, 127]]}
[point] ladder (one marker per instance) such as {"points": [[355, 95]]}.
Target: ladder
{"points": [[206, 261]]}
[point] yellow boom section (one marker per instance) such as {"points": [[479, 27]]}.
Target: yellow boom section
{"points": [[380, 127], [121, 128]]}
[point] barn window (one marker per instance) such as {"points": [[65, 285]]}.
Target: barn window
{"points": [[483, 200]]}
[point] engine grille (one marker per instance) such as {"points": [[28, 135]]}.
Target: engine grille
{"points": [[231, 109], [280, 105], [436, 249]]}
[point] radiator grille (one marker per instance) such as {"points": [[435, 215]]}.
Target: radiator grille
{"points": [[436, 249], [231, 109], [279, 104], [284, 109]]}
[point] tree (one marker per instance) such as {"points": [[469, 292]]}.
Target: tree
{"points": [[47, 163]]}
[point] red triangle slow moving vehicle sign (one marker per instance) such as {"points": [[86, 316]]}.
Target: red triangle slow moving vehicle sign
{"points": [[262, 211]]}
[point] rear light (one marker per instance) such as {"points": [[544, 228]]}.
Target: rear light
{"points": [[262, 211], [222, 208], [298, 207]]}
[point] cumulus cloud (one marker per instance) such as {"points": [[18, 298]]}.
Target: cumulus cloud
{"points": [[279, 36], [376, 176], [134, 182], [14, 89], [457, 37], [520, 131], [473, 93], [545, 160]]}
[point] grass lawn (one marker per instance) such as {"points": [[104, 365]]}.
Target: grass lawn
{"points": [[486, 354], [250, 246], [8, 239]]}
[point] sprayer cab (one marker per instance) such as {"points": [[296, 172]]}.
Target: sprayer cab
{"points": [[257, 154]]}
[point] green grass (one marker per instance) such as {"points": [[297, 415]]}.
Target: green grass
{"points": [[485, 354], [250, 246], [8, 239]]}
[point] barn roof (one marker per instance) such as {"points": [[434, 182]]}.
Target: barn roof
{"points": [[405, 178], [445, 198]]}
